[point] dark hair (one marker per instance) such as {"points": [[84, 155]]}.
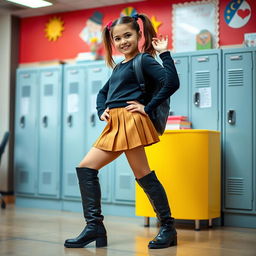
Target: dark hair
{"points": [[148, 31]]}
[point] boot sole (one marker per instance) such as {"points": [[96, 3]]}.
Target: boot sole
{"points": [[100, 242], [155, 246]]}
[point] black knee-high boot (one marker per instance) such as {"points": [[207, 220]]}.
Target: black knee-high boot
{"points": [[167, 235], [91, 201]]}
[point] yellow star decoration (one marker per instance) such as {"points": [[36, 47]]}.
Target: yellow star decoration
{"points": [[53, 29], [155, 23]]}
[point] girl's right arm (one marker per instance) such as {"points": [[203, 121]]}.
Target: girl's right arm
{"points": [[101, 99]]}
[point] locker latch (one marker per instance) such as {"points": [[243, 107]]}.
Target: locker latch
{"points": [[197, 99], [93, 120], [69, 120], [22, 121], [232, 117], [45, 121]]}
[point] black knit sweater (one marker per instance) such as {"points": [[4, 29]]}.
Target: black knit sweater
{"points": [[122, 86]]}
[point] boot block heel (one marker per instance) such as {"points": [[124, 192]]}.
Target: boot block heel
{"points": [[101, 241], [174, 241]]}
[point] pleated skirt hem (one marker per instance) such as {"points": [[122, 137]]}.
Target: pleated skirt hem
{"points": [[126, 130]]}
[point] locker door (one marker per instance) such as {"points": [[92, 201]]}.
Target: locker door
{"points": [[124, 181], [205, 83], [74, 98], [97, 77], [238, 123], [180, 99], [25, 159], [49, 131]]}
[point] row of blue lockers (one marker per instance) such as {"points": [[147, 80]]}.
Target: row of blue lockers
{"points": [[56, 124]]}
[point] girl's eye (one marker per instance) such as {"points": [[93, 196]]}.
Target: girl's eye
{"points": [[127, 35], [117, 39]]}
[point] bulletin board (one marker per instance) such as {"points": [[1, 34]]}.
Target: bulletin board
{"points": [[189, 19]]}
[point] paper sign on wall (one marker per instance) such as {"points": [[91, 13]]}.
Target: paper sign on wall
{"points": [[205, 97]]}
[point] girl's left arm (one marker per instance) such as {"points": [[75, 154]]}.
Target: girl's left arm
{"points": [[166, 75], [101, 99]]}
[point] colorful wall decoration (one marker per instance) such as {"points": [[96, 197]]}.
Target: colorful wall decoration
{"points": [[54, 28], [237, 13], [35, 47]]}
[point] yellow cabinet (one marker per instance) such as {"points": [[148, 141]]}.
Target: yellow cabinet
{"points": [[187, 162]]}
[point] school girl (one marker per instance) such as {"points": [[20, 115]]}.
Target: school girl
{"points": [[129, 129]]}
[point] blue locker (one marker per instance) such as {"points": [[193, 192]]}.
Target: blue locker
{"points": [[180, 99], [205, 91], [73, 125], [124, 181], [238, 129], [26, 132], [50, 131], [97, 76]]}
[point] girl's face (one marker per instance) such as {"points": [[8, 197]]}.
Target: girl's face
{"points": [[126, 40]]}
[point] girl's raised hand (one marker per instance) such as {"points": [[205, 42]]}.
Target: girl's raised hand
{"points": [[105, 115], [160, 44]]}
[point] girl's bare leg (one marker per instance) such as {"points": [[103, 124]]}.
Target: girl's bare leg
{"points": [[97, 158], [138, 161]]}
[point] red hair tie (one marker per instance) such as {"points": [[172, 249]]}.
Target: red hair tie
{"points": [[109, 25]]}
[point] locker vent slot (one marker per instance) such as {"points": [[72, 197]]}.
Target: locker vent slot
{"points": [[124, 181], [73, 88], [48, 89], [96, 86], [25, 91], [202, 78], [23, 176], [235, 186], [72, 180], [47, 178], [235, 77]]}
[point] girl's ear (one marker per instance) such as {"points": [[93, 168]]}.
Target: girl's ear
{"points": [[139, 35]]}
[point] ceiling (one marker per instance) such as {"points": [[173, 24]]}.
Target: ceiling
{"points": [[58, 6]]}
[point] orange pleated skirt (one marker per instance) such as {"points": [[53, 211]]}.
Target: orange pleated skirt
{"points": [[126, 130]]}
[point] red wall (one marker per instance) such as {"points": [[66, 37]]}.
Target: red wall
{"points": [[34, 46]]}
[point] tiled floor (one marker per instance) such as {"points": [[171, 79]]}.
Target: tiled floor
{"points": [[36, 232]]}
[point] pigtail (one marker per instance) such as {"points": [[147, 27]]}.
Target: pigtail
{"points": [[107, 41], [149, 33]]}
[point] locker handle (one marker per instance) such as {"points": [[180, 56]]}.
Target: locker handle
{"points": [[45, 121], [48, 73], [176, 61], [97, 69], [93, 120], [236, 57], [22, 121], [231, 117], [203, 59], [197, 99], [27, 75], [70, 120], [74, 71]]}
